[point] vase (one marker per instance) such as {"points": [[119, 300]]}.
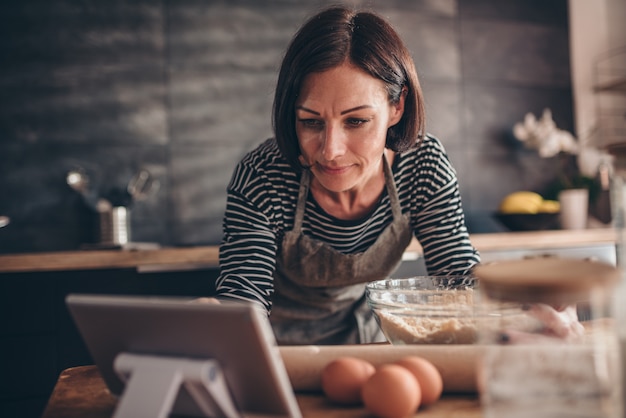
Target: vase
{"points": [[574, 208]]}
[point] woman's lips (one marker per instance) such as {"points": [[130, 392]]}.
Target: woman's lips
{"points": [[331, 170]]}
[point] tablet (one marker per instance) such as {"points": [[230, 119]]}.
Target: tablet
{"points": [[237, 335]]}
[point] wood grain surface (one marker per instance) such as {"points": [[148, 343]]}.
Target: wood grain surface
{"points": [[456, 363], [208, 256], [80, 392]]}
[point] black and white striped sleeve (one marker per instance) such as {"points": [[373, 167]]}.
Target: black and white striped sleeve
{"points": [[439, 218], [248, 248]]}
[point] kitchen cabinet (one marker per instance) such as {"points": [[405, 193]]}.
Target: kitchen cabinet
{"points": [[39, 338]]}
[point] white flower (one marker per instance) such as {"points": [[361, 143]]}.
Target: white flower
{"points": [[525, 131], [558, 141], [589, 159], [544, 136], [550, 141]]}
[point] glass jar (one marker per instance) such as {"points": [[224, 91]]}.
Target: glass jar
{"points": [[539, 360], [618, 215]]}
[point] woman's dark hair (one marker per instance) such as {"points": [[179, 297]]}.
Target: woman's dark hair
{"points": [[329, 39]]}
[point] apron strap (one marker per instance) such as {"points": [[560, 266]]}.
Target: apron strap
{"points": [[302, 195], [392, 191]]}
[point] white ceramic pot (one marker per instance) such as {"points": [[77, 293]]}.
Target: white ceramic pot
{"points": [[574, 208]]}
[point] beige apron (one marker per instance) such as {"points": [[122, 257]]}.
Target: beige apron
{"points": [[319, 293]]}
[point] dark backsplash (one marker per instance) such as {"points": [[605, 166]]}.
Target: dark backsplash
{"points": [[184, 89]]}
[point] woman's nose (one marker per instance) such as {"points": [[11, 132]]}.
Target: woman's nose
{"points": [[334, 143]]}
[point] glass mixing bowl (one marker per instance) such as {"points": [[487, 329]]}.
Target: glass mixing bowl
{"points": [[425, 309]]}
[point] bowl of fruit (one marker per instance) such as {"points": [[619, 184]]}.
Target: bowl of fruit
{"points": [[528, 211]]}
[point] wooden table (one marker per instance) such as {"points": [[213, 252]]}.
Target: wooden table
{"points": [[80, 392]]}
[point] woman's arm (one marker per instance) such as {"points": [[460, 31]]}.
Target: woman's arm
{"points": [[247, 253], [439, 219]]}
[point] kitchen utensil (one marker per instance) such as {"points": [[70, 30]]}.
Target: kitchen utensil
{"points": [[618, 215], [79, 181], [538, 359], [142, 185], [528, 221], [456, 363], [115, 226], [425, 309]]}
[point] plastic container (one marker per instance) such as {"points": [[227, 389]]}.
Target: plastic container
{"points": [[539, 360]]}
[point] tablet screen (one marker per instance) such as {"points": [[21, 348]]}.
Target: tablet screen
{"points": [[237, 335]]}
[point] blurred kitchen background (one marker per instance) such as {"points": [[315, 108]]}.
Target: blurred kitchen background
{"points": [[182, 89]]}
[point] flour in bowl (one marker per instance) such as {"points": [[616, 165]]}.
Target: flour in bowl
{"points": [[445, 318]]}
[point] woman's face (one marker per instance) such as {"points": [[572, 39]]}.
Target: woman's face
{"points": [[342, 117]]}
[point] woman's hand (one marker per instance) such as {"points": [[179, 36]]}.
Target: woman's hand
{"points": [[559, 323]]}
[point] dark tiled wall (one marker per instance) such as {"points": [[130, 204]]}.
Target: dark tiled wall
{"points": [[184, 89]]}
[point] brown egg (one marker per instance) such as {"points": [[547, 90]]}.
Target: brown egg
{"points": [[427, 375], [343, 378], [392, 392]]}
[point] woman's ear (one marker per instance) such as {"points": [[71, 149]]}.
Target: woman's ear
{"points": [[397, 109]]}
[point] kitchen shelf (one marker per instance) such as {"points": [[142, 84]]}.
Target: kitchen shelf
{"points": [[610, 71], [611, 86], [610, 90]]}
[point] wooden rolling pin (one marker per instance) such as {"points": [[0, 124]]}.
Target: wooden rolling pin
{"points": [[456, 363]]}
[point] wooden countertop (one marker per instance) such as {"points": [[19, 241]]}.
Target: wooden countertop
{"points": [[80, 392], [205, 256], [543, 239], [208, 256]]}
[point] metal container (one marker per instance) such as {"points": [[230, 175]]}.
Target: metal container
{"points": [[115, 226]]}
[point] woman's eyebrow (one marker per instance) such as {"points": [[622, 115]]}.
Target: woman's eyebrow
{"points": [[308, 110], [356, 108], [342, 112]]}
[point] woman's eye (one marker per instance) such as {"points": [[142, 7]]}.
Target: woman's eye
{"points": [[311, 123], [355, 122]]}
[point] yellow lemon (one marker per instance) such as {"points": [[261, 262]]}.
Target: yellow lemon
{"points": [[521, 202], [549, 206]]}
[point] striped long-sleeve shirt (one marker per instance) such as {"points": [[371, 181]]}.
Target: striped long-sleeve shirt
{"points": [[262, 197]]}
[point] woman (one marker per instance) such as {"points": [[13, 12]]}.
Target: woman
{"points": [[334, 199]]}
